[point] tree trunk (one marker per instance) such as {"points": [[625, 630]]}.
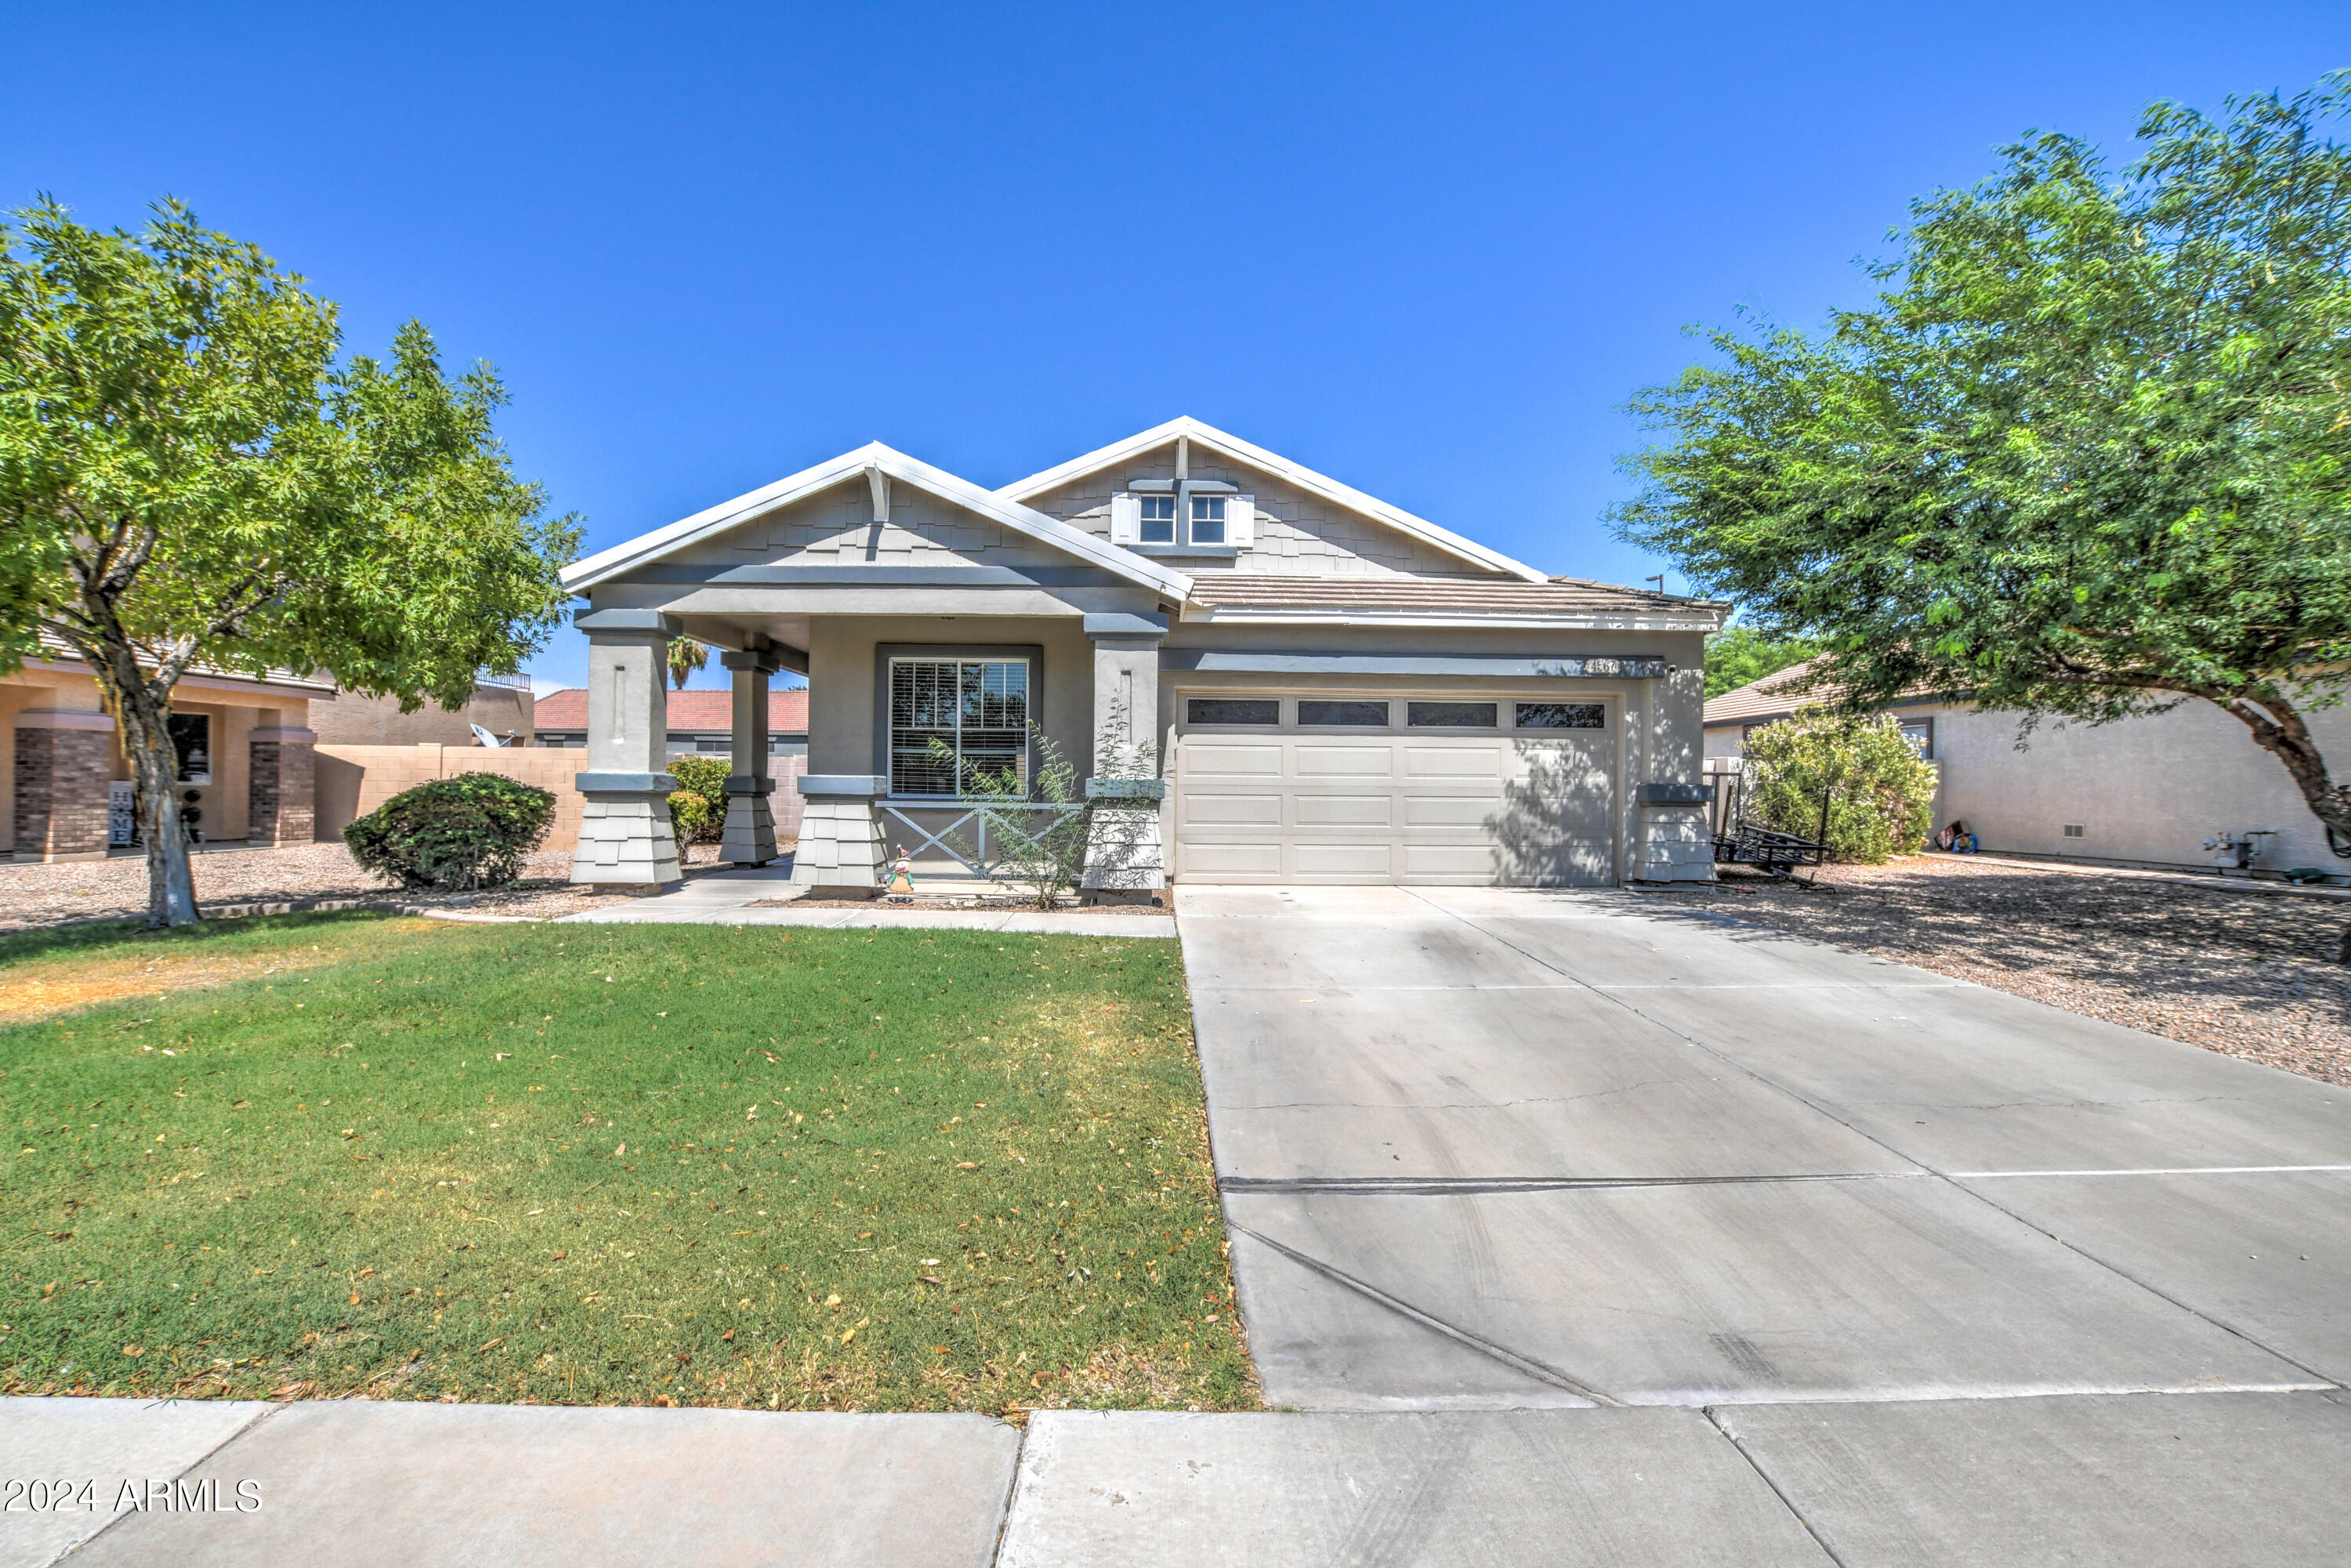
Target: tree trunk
{"points": [[2281, 730], [147, 741]]}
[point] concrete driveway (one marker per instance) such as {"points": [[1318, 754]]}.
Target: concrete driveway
{"points": [[1490, 1148]]}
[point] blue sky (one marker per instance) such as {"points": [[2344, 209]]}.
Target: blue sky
{"points": [[1429, 250]]}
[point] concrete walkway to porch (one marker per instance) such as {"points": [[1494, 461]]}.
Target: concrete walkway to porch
{"points": [[727, 898]]}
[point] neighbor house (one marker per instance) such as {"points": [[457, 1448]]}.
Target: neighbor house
{"points": [[700, 722], [2140, 791], [244, 747], [498, 704], [1264, 674]]}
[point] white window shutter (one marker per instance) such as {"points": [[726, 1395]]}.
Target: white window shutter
{"points": [[1125, 519], [1240, 521]]}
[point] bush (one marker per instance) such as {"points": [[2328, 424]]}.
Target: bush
{"points": [[469, 832], [1881, 795], [697, 807]]}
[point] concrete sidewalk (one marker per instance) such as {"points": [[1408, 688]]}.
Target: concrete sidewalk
{"points": [[726, 898], [2147, 1482]]}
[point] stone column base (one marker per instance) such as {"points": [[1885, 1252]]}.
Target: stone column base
{"points": [[626, 842], [749, 837], [1123, 854], [841, 850], [1674, 845]]}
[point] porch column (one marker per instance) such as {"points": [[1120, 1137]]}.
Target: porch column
{"points": [[626, 843], [1125, 862], [841, 851], [65, 761], [281, 786], [749, 838]]}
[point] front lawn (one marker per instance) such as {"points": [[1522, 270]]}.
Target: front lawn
{"points": [[708, 1165]]}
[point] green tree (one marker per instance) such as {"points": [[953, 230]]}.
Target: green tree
{"points": [[685, 656], [1739, 655], [1880, 794], [188, 476], [2085, 455]]}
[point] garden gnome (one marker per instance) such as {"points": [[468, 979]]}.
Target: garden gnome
{"points": [[902, 874]]}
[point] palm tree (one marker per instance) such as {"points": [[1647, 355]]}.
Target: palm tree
{"points": [[685, 656]]}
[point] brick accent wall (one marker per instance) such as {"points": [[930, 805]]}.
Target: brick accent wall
{"points": [[61, 777], [280, 793]]}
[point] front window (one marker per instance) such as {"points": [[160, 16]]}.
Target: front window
{"points": [[1158, 519], [192, 744], [1920, 734], [976, 708], [1207, 520]]}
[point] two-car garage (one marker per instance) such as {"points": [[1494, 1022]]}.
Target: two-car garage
{"points": [[1410, 786]]}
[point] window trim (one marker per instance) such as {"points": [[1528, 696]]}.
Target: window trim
{"points": [[885, 653], [1192, 519], [1143, 524]]}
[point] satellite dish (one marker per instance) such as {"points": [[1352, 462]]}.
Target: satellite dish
{"points": [[483, 736]]}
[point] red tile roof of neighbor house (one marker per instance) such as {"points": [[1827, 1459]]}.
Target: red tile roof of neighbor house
{"points": [[693, 712]]}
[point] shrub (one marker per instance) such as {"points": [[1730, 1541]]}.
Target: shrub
{"points": [[1881, 795], [697, 807], [469, 832]]}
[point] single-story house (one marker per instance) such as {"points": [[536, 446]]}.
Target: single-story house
{"points": [[499, 704], [1263, 675], [699, 721], [245, 748], [2139, 792]]}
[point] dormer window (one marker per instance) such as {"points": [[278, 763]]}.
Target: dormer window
{"points": [[1156, 523], [1177, 516], [1207, 519]]}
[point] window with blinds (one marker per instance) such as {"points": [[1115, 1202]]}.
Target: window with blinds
{"points": [[976, 708]]}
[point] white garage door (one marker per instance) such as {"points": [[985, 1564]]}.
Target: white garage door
{"points": [[1408, 788]]}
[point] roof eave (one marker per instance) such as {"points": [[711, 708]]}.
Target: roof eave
{"points": [[607, 565]]}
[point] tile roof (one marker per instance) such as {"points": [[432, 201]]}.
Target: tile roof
{"points": [[693, 712], [1564, 596], [1779, 694]]}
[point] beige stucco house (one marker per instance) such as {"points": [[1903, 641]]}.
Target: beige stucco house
{"points": [[2139, 792], [245, 750], [1267, 676]]}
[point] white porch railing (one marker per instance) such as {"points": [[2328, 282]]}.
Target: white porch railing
{"points": [[968, 812]]}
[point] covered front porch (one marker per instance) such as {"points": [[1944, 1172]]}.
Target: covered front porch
{"points": [[904, 712]]}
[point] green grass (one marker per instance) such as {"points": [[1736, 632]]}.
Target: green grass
{"points": [[795, 1169]]}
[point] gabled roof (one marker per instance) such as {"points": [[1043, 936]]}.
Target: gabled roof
{"points": [[617, 561], [696, 712], [1280, 467]]}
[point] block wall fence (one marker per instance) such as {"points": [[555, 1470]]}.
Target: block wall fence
{"points": [[353, 781]]}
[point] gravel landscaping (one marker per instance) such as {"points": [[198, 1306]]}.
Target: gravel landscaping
{"points": [[2251, 974], [33, 894]]}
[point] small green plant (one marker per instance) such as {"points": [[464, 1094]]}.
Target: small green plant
{"points": [[1040, 838], [470, 831], [1881, 794], [697, 807]]}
